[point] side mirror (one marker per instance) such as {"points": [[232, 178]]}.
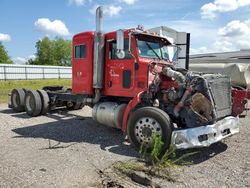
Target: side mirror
{"points": [[120, 44]]}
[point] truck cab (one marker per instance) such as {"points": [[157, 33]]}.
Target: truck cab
{"points": [[125, 76]]}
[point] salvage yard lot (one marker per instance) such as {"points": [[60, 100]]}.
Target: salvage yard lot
{"points": [[66, 149]]}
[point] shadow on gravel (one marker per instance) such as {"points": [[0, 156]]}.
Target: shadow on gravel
{"points": [[7, 111], [55, 114], [21, 115], [203, 154], [77, 130]]}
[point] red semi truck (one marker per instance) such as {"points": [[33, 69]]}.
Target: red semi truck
{"points": [[128, 79]]}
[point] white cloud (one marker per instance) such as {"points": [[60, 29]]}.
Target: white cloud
{"points": [[243, 3], [31, 57], [4, 37], [222, 45], [93, 9], [56, 27], [22, 60], [233, 36], [19, 60], [129, 2], [111, 10], [77, 2], [234, 28], [210, 10]]}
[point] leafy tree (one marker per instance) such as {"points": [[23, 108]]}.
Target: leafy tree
{"points": [[4, 58], [45, 52], [52, 52], [62, 52]]}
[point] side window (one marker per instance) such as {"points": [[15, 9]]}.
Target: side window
{"points": [[112, 50], [80, 51]]}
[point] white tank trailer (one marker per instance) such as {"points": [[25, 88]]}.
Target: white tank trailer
{"points": [[234, 64]]}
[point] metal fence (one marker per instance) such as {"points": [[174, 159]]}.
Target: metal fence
{"points": [[29, 72]]}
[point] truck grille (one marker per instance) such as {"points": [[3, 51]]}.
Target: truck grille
{"points": [[220, 87]]}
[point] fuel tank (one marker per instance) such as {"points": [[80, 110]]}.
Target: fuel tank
{"points": [[109, 113]]}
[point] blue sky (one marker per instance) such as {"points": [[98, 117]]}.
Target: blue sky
{"points": [[215, 25]]}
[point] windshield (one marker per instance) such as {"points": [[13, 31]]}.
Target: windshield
{"points": [[155, 50]]}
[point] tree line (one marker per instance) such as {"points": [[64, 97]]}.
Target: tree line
{"points": [[4, 57], [48, 52]]}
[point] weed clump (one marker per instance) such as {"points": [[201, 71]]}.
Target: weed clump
{"points": [[154, 161]]}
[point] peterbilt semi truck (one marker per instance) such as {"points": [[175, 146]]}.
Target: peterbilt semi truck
{"points": [[131, 83]]}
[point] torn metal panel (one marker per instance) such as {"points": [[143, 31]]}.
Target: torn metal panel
{"points": [[206, 135]]}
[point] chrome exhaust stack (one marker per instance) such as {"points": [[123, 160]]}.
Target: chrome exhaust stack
{"points": [[98, 62]]}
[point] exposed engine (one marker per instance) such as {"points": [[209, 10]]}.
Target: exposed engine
{"points": [[194, 99]]}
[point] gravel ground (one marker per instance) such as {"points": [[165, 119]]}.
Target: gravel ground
{"points": [[68, 149]]}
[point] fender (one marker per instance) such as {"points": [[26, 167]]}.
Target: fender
{"points": [[240, 98], [132, 103]]}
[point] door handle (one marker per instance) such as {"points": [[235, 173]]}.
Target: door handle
{"points": [[110, 84]]}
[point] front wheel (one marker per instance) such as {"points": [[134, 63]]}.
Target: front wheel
{"points": [[145, 122]]}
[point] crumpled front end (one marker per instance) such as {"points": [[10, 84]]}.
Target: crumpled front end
{"points": [[199, 104], [204, 136]]}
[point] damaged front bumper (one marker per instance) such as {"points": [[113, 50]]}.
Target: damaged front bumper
{"points": [[206, 135]]}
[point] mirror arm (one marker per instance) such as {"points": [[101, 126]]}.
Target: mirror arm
{"points": [[130, 45], [129, 42]]}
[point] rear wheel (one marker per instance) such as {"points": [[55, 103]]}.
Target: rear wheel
{"points": [[33, 103], [145, 122], [17, 99], [45, 101]]}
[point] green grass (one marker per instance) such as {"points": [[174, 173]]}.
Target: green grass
{"points": [[7, 86]]}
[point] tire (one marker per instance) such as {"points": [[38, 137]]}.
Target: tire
{"points": [[144, 122], [74, 106], [33, 103], [45, 101], [17, 100]]}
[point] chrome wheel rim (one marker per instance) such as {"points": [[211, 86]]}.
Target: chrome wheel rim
{"points": [[144, 129]]}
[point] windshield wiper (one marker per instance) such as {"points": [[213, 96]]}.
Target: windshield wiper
{"points": [[153, 50]]}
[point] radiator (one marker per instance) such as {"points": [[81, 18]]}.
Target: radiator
{"points": [[220, 88]]}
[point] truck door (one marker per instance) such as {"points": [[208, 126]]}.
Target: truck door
{"points": [[119, 73], [82, 64]]}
